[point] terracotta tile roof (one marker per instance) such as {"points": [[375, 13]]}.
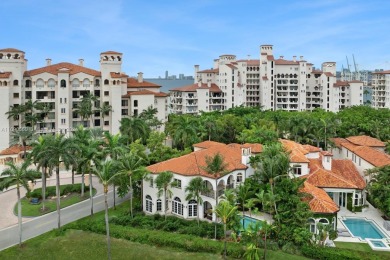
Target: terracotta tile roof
{"points": [[341, 83], [329, 74], [111, 52], [369, 154], [14, 150], [194, 87], [338, 141], [133, 83], [365, 140], [231, 66], [55, 68], [255, 148], [144, 92], [193, 164], [117, 75], [318, 200], [10, 50], [326, 153], [207, 144], [209, 71], [355, 81], [286, 62], [316, 72], [5, 75], [270, 57], [342, 175], [311, 149], [251, 62], [296, 151], [382, 72]]}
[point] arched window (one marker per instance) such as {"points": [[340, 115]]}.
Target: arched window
{"points": [[239, 178], [51, 83], [192, 208], [106, 82], [177, 207], [86, 83], [324, 221], [312, 225], [5, 83], [159, 205], [75, 83], [97, 82], [16, 82], [148, 204], [63, 83]]}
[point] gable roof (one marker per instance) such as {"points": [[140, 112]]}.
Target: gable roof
{"points": [[144, 92], [365, 140], [369, 154], [209, 71], [192, 88], [55, 68], [318, 200], [5, 75], [296, 151], [193, 164], [338, 141], [14, 150], [343, 174], [133, 83]]}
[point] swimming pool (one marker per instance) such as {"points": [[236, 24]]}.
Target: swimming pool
{"points": [[363, 228], [246, 221], [378, 244]]}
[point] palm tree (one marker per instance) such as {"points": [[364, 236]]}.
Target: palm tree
{"points": [[184, 131], [23, 136], [15, 111], [105, 110], [163, 181], [19, 175], [106, 175], [216, 166], [243, 193], [226, 212], [130, 164], [59, 150], [134, 128], [194, 190]]}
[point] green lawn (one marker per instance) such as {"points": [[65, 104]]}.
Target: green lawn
{"points": [[30, 210], [362, 247]]}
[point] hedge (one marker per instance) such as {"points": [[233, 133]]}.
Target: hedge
{"points": [[334, 253], [51, 190]]}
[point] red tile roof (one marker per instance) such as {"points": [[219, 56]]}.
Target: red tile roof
{"points": [[342, 175], [111, 52], [207, 144], [14, 150], [365, 140], [296, 151], [341, 83], [286, 62], [328, 74], [270, 57], [55, 68], [193, 164], [144, 92], [369, 154], [382, 72], [5, 75], [311, 149], [231, 66], [318, 200], [250, 62], [10, 50], [133, 83], [209, 71], [117, 75], [194, 87], [338, 141]]}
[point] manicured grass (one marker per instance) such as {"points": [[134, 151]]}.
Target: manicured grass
{"points": [[75, 244], [31, 210], [362, 247]]}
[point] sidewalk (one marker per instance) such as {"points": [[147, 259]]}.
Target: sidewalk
{"points": [[8, 198]]}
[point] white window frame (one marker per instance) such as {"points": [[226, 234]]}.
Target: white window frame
{"points": [[148, 204]]}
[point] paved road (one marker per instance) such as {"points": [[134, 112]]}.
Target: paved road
{"points": [[33, 227]]}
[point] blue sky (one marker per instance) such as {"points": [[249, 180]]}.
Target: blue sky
{"points": [[172, 35]]}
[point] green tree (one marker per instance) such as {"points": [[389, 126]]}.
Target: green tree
{"points": [[379, 188], [226, 212], [244, 192], [19, 175], [134, 128], [23, 136], [163, 183], [184, 130], [194, 190], [106, 174]]}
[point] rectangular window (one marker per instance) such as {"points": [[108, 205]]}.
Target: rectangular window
{"points": [[62, 110], [151, 183], [297, 169], [63, 121], [177, 183], [106, 93], [159, 205], [360, 161], [135, 102], [106, 123], [61, 100], [125, 103], [16, 95], [65, 100]]}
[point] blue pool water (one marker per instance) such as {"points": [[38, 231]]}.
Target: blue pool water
{"points": [[363, 228], [378, 243], [246, 221]]}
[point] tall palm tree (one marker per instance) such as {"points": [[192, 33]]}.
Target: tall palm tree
{"points": [[134, 128], [194, 190], [226, 212], [217, 167], [19, 175], [23, 136], [130, 164], [106, 174], [59, 150], [15, 111], [105, 110], [163, 182], [243, 193], [184, 131]]}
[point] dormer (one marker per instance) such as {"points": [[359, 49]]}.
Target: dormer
{"points": [[327, 160]]}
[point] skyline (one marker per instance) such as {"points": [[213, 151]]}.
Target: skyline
{"points": [[175, 35]]}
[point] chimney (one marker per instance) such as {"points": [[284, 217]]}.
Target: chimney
{"points": [[140, 77], [245, 155], [294, 58], [81, 62], [301, 57], [48, 62], [209, 84], [327, 160]]}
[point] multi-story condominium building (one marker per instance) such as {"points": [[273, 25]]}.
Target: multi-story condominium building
{"points": [[381, 89], [271, 83], [61, 86]]}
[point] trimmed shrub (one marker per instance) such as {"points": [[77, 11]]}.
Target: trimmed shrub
{"points": [[327, 253], [51, 191]]}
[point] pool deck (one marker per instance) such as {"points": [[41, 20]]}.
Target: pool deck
{"points": [[369, 213]]}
